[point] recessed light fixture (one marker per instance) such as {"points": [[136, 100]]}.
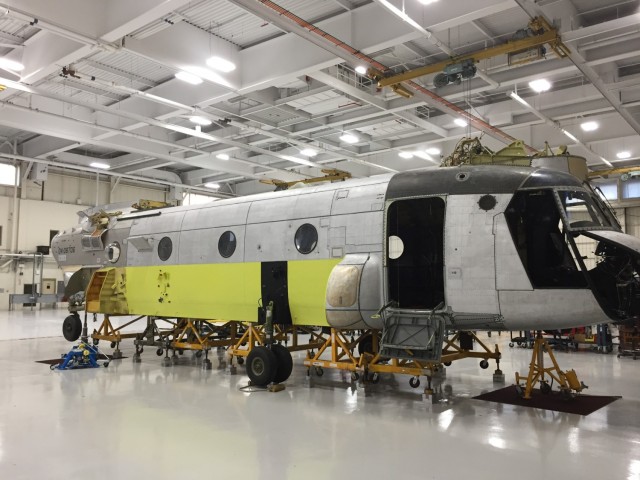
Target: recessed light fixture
{"points": [[406, 155], [309, 152], [212, 185], [198, 120], [624, 154], [189, 78], [222, 156], [570, 135], [11, 64], [102, 166], [349, 138], [460, 122], [540, 85], [220, 64], [589, 126], [361, 69], [433, 151]]}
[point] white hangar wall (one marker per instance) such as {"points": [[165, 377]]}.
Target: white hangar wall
{"points": [[64, 196]]}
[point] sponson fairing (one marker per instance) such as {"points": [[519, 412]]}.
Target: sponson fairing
{"points": [[494, 246]]}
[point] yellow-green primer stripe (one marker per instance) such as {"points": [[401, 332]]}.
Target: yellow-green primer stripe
{"points": [[224, 291], [307, 282]]}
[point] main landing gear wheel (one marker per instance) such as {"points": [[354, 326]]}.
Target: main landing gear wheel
{"points": [[262, 366], [72, 327], [284, 362]]}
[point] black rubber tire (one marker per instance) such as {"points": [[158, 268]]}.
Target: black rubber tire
{"points": [[447, 364], [159, 352], [414, 382], [285, 363], [262, 366], [545, 388], [72, 327], [484, 364]]}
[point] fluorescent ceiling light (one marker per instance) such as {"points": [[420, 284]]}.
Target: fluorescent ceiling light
{"points": [[406, 155], [198, 120], [189, 78], [460, 122], [361, 69], [220, 64], [222, 156], [427, 2], [309, 152], [519, 99], [589, 126], [570, 135], [349, 138], [433, 151], [212, 185], [11, 64], [624, 154], [103, 166], [540, 85]]}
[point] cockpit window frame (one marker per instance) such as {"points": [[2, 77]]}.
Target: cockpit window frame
{"points": [[594, 204]]}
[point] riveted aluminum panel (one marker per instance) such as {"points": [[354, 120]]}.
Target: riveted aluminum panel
{"points": [[150, 257], [357, 232], [307, 204], [470, 277], [464, 180], [550, 309], [510, 273], [201, 246], [167, 221], [364, 198], [213, 216], [274, 241]]}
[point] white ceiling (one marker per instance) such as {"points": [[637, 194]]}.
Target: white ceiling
{"points": [[296, 86]]}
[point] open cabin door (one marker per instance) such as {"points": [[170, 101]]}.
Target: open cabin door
{"points": [[415, 252], [414, 319]]}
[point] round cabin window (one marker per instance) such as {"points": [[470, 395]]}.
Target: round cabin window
{"points": [[165, 247], [113, 252], [227, 244], [396, 247], [306, 238]]}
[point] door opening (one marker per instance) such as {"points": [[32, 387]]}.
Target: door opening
{"points": [[415, 252]]}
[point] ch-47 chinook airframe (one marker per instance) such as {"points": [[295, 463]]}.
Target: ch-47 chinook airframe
{"points": [[413, 256]]}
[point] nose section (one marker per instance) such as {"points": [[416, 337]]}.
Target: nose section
{"points": [[616, 277]]}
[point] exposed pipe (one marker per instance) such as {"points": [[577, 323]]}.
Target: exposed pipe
{"points": [[110, 173], [24, 17], [533, 11], [160, 124], [554, 124], [325, 40], [430, 36], [195, 111]]}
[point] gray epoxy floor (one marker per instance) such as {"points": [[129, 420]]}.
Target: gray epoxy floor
{"points": [[148, 421]]}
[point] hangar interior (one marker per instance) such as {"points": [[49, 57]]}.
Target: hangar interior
{"points": [[110, 102]]}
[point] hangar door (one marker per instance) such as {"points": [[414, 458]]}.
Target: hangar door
{"points": [[415, 252]]}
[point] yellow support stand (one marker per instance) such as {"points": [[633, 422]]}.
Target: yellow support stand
{"points": [[568, 381]]}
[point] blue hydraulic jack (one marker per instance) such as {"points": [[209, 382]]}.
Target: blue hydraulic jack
{"points": [[82, 355]]}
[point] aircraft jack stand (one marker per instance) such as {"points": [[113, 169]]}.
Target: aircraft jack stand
{"points": [[568, 381], [82, 355]]}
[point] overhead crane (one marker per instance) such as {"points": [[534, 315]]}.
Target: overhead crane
{"points": [[527, 46]]}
